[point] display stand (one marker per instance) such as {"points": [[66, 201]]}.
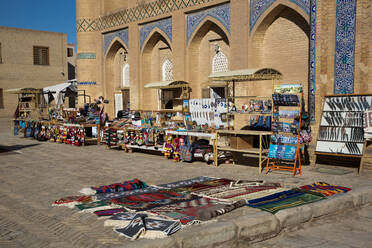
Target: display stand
{"points": [[284, 151], [341, 125], [240, 142]]}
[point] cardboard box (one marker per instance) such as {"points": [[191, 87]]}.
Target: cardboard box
{"points": [[241, 142]]}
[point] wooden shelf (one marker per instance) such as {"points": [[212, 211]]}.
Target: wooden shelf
{"points": [[244, 132], [246, 150], [249, 113]]}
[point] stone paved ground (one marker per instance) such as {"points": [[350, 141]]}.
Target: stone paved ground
{"points": [[351, 229], [36, 173]]}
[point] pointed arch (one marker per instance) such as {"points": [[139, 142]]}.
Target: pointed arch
{"points": [[167, 70], [113, 72], [207, 24], [153, 38], [281, 7], [115, 45]]}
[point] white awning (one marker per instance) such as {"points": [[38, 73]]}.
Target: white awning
{"points": [[58, 91], [166, 84], [246, 75]]}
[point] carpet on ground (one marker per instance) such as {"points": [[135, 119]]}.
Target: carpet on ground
{"points": [[196, 210], [186, 182], [113, 195], [117, 187], [199, 187], [283, 200], [325, 188], [147, 227], [71, 201], [148, 201]]}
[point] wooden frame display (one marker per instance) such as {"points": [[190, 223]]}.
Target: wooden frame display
{"points": [[341, 125]]}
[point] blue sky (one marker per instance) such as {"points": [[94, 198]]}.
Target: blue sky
{"points": [[46, 15]]}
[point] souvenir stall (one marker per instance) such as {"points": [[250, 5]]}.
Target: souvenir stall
{"points": [[59, 124], [258, 108], [344, 128]]}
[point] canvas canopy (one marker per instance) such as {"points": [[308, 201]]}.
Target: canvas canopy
{"points": [[58, 91], [246, 75], [167, 84]]}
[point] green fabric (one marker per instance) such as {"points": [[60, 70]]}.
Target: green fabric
{"points": [[291, 202], [90, 205]]}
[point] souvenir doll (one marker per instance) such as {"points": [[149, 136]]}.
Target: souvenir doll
{"points": [[176, 149], [140, 139], [168, 147]]}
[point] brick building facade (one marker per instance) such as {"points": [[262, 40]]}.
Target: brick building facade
{"points": [[126, 44], [31, 59]]}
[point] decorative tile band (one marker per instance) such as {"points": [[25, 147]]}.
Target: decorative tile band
{"points": [[312, 57], [138, 13], [221, 13], [120, 34], [87, 83], [86, 56], [258, 7], [164, 25], [345, 46]]}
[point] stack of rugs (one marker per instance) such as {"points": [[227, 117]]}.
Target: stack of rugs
{"points": [[136, 210]]}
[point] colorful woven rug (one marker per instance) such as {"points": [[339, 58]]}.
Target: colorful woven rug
{"points": [[122, 186], [109, 212], [200, 187], [286, 199], [196, 210], [143, 226], [110, 196], [186, 182], [240, 192], [148, 201], [71, 201], [325, 188]]}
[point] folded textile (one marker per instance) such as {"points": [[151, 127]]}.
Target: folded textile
{"points": [[325, 188], [244, 182], [196, 210], [109, 212], [202, 186], [254, 195], [71, 201], [95, 206], [147, 201], [135, 228], [123, 186], [142, 225], [186, 182], [120, 219], [238, 192], [286, 199], [113, 195]]}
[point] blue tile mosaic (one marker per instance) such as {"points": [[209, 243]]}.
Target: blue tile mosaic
{"points": [[86, 56], [312, 62], [345, 46], [164, 25], [258, 7], [120, 34], [87, 83], [221, 13]]}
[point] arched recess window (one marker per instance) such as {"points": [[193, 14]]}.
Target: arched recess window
{"points": [[126, 75], [167, 70], [220, 62]]}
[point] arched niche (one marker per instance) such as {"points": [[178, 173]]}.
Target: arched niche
{"points": [[280, 40], [201, 50], [115, 59], [156, 50]]}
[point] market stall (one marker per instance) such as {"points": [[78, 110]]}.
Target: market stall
{"points": [[257, 108], [46, 115]]}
